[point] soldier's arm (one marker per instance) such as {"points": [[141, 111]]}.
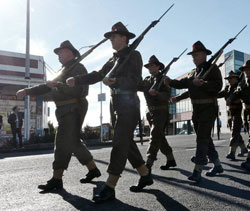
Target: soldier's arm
{"points": [[235, 95], [132, 78], [38, 90], [214, 82], [182, 96], [222, 93], [94, 77], [144, 86], [76, 91], [180, 84]]}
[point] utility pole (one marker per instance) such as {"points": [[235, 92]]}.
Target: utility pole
{"points": [[101, 97], [101, 115], [27, 77]]}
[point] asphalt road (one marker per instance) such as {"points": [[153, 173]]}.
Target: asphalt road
{"points": [[20, 173]]}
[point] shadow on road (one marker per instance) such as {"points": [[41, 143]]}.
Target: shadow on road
{"points": [[209, 185], [167, 202], [25, 153], [81, 203]]}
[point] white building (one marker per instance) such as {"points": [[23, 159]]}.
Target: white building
{"points": [[12, 73]]}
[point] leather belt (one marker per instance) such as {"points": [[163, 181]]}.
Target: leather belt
{"points": [[153, 108], [119, 91], [204, 101], [66, 102]]}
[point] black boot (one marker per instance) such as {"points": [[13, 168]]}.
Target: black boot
{"points": [[193, 159], [242, 152], [52, 184], [196, 176], [149, 168], [246, 164], [215, 170], [143, 182], [170, 163], [91, 175], [106, 194], [231, 156]]}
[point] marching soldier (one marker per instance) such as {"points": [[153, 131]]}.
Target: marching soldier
{"points": [[243, 93], [157, 115], [203, 94], [234, 108], [71, 107], [123, 83]]}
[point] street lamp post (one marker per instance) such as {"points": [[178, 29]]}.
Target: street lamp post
{"points": [[27, 77]]}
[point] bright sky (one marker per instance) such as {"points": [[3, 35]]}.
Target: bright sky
{"points": [[84, 22]]}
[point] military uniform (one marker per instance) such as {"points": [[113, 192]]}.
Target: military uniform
{"points": [[204, 101], [71, 108], [243, 93], [234, 109], [125, 104], [158, 116]]}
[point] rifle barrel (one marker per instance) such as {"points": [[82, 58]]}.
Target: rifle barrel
{"points": [[240, 31], [165, 12], [182, 53]]}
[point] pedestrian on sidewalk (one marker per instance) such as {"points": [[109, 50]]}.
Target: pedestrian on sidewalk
{"points": [[15, 120]]}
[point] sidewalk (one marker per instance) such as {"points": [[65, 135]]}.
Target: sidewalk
{"points": [[50, 146]]}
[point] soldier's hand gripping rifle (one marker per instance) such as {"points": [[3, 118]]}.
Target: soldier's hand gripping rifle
{"points": [[79, 59], [158, 82], [185, 94], [212, 61], [118, 66]]}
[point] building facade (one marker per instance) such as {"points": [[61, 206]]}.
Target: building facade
{"points": [[12, 78]]}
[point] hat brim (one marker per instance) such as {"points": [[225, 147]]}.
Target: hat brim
{"points": [[75, 52], [157, 63], [129, 35], [208, 52], [244, 68]]}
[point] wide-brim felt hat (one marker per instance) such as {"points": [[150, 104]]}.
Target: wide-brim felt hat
{"points": [[245, 66], [153, 60], [232, 74], [67, 44], [197, 47], [119, 28]]}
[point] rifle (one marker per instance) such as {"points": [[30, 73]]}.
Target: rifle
{"points": [[220, 65], [118, 66], [216, 56], [66, 69], [158, 82]]}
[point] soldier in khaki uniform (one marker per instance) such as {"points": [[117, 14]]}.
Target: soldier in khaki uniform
{"points": [[203, 94], [123, 83], [234, 109], [157, 114], [243, 93], [71, 107]]}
